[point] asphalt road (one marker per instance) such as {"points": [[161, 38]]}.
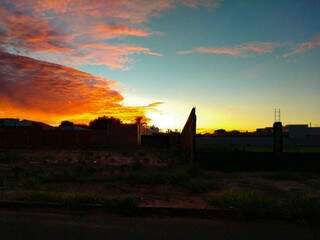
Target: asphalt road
{"points": [[27, 224]]}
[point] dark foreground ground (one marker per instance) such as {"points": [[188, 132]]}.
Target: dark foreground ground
{"points": [[24, 224], [127, 179]]}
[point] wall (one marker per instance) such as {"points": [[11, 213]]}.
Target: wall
{"points": [[188, 135], [161, 140], [20, 137]]}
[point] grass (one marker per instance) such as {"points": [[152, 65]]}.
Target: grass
{"points": [[290, 176], [189, 178], [47, 175], [303, 205]]}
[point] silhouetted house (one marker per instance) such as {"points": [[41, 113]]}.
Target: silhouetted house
{"points": [[314, 132], [9, 122], [297, 130]]}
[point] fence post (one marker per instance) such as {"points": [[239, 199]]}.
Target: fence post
{"points": [[277, 138]]}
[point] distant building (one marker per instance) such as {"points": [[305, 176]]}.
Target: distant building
{"points": [[267, 131]]}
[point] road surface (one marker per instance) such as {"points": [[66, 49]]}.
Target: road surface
{"points": [[28, 224]]}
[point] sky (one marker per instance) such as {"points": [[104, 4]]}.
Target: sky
{"points": [[235, 61]]}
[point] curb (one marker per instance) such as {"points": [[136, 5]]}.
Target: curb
{"points": [[135, 211]]}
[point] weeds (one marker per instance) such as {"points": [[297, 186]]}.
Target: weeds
{"points": [[255, 204]]}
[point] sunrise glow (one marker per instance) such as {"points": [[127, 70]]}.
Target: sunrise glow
{"points": [[77, 60]]}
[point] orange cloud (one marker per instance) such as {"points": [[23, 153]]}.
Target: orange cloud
{"points": [[49, 92], [246, 49], [305, 46]]}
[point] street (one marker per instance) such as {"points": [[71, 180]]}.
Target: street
{"points": [[58, 225]]}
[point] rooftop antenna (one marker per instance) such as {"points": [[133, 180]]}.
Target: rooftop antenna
{"points": [[277, 115]]}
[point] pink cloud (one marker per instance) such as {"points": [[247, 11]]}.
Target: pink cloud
{"points": [[27, 32], [115, 56], [134, 11], [106, 31], [305, 46], [57, 30], [246, 49]]}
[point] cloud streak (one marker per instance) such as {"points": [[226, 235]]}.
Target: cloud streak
{"points": [[49, 92], [305, 46], [247, 49]]}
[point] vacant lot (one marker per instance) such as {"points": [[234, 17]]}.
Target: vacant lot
{"points": [[148, 177]]}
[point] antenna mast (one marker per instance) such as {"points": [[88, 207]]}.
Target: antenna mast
{"points": [[277, 115]]}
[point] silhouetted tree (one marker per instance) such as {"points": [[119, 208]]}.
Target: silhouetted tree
{"points": [[66, 124], [102, 123], [170, 131], [141, 120], [220, 132], [154, 130], [235, 133], [81, 125]]}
